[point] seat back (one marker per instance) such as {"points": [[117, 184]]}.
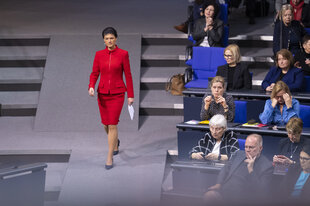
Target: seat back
{"points": [[208, 58], [225, 36], [241, 144], [305, 115], [224, 13], [240, 112], [307, 83], [307, 30], [205, 61]]}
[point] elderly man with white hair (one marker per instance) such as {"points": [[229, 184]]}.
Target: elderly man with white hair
{"points": [[218, 144], [246, 177]]}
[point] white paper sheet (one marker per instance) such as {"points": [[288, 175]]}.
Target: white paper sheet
{"points": [[131, 111]]}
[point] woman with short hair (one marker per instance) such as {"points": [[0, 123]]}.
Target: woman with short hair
{"points": [[218, 144], [284, 71], [218, 102], [289, 148], [281, 106], [235, 71]]}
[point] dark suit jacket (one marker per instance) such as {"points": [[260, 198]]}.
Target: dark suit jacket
{"points": [[214, 35], [293, 32], [242, 77], [258, 180], [294, 78]]}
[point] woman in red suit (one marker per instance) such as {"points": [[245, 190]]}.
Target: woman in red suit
{"points": [[110, 64]]}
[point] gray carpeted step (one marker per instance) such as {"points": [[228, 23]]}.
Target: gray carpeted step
{"points": [[10, 100], [158, 60], [11, 75], [163, 50], [23, 51], [165, 39], [159, 74], [24, 40], [252, 41], [160, 99], [18, 103], [256, 52]]}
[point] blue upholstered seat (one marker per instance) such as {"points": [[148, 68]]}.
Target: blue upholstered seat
{"points": [[305, 114], [240, 111], [307, 83], [241, 144], [204, 64], [224, 13]]}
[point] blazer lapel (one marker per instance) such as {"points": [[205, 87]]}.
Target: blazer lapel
{"points": [[239, 159]]}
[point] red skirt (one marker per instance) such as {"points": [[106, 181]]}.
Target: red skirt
{"points": [[110, 107]]}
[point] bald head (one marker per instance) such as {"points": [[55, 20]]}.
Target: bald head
{"points": [[253, 145]]}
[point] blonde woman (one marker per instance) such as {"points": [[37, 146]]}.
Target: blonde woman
{"points": [[236, 72], [218, 102], [288, 32], [281, 106]]}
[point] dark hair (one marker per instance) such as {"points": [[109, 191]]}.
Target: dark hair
{"points": [[214, 4], [109, 30], [305, 38], [306, 149]]}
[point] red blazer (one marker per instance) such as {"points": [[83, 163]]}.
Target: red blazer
{"points": [[110, 65]]}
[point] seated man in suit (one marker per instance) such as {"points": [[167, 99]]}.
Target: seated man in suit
{"points": [[245, 177]]}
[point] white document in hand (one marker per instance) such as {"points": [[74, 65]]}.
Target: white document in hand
{"points": [[131, 111]]}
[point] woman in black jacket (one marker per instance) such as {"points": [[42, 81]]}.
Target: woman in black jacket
{"points": [[235, 72], [208, 31], [288, 33]]}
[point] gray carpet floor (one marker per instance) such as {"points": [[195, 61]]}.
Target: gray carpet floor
{"points": [[139, 167]]}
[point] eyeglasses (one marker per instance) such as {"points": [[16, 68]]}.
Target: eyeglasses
{"points": [[277, 97], [228, 56], [304, 158]]}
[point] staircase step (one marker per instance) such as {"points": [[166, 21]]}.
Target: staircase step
{"points": [[19, 103], [23, 51], [160, 99], [160, 103], [12, 75], [163, 50], [159, 74], [256, 52], [33, 85], [21, 40], [165, 39], [260, 41], [30, 62], [19, 99], [158, 60]]}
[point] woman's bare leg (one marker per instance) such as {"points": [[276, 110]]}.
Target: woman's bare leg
{"points": [[106, 129], [112, 141]]}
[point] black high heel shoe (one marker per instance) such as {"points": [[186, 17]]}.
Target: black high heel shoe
{"points": [[107, 167], [118, 143]]}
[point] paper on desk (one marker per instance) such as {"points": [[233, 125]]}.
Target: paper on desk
{"points": [[131, 111]]}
